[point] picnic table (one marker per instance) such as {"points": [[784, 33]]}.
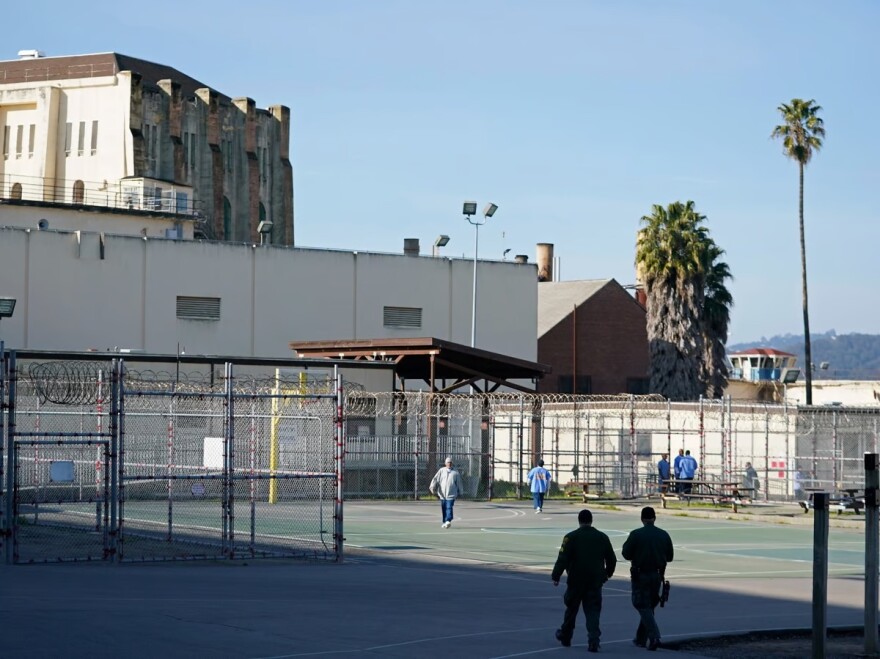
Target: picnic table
{"points": [[842, 498], [718, 492]]}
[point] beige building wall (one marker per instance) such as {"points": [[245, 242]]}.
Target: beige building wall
{"points": [[63, 129], [67, 218], [76, 291]]}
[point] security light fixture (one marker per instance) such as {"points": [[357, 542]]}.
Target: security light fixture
{"points": [[469, 208], [823, 366], [441, 241], [489, 210], [790, 375], [7, 306], [265, 227]]}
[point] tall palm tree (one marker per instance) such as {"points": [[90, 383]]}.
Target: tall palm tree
{"points": [[802, 135], [671, 264], [715, 322]]}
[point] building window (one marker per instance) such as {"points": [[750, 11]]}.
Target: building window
{"points": [[565, 384], [192, 151], [198, 308], [81, 142], [638, 386], [19, 135], [68, 136], [16, 191], [6, 141], [185, 151], [94, 137], [402, 317], [32, 136], [227, 219], [79, 192]]}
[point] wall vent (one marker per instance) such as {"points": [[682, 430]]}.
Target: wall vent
{"points": [[402, 317], [198, 308]]}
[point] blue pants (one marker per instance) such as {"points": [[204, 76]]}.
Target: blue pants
{"points": [[446, 509], [539, 499]]}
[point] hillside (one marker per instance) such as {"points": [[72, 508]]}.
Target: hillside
{"points": [[849, 356]]}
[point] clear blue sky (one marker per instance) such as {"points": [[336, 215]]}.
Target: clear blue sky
{"points": [[573, 116]]}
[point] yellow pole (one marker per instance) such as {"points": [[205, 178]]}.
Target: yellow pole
{"points": [[273, 445]]}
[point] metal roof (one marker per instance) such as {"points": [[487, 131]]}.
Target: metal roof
{"points": [[419, 358]]}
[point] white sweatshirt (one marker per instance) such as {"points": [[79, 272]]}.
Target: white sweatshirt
{"points": [[447, 484]]}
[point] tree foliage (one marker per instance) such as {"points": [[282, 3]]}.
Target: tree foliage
{"points": [[688, 303]]}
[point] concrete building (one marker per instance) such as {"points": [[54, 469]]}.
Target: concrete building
{"points": [[84, 290], [594, 335], [108, 130]]}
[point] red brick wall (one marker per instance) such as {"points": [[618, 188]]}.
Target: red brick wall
{"points": [[612, 343]]}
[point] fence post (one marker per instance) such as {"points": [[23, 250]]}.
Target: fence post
{"points": [[340, 468], [519, 449], [115, 464], [766, 454], [228, 463], [820, 573], [11, 461], [872, 543]]}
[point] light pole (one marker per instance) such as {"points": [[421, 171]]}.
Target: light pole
{"points": [[468, 209]]}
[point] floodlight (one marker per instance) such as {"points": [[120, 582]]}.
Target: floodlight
{"points": [[265, 226], [469, 208], [790, 375], [442, 240], [824, 366], [490, 209], [7, 306]]}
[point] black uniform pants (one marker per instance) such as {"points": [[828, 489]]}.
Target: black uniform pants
{"points": [[591, 600], [645, 598]]}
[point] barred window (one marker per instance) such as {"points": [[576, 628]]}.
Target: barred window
{"points": [[198, 308], [402, 317]]}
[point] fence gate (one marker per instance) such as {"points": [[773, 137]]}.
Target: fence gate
{"points": [[107, 463], [59, 436]]}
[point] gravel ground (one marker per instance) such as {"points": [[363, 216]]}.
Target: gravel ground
{"points": [[796, 645]]}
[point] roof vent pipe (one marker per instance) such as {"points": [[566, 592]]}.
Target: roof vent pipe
{"points": [[545, 261], [521, 258], [411, 246]]}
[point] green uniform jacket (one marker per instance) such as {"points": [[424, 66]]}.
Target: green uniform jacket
{"points": [[648, 548], [586, 554]]}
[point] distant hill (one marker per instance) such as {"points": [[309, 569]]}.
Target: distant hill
{"points": [[849, 356]]}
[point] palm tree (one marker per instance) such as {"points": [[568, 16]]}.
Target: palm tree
{"points": [[715, 322], [801, 135], [671, 264]]}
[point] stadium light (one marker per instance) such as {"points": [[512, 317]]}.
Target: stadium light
{"points": [[470, 208]]}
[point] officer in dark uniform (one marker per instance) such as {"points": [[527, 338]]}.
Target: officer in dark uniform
{"points": [[586, 555], [649, 549]]}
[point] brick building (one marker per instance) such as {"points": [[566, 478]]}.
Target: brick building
{"points": [[593, 334]]}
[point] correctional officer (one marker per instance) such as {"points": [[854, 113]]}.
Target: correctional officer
{"points": [[586, 555], [648, 549]]}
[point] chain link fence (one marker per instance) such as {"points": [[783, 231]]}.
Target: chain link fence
{"points": [[103, 462], [395, 442]]}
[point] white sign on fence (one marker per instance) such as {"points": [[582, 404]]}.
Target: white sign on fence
{"points": [[212, 456]]}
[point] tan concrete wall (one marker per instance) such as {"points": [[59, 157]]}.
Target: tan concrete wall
{"points": [[72, 299]]}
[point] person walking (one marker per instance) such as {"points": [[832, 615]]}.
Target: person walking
{"points": [[751, 482], [587, 557], [676, 468], [539, 484], [648, 549], [663, 472], [688, 470], [447, 485]]}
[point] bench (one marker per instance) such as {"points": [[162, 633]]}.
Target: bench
{"points": [[585, 489]]}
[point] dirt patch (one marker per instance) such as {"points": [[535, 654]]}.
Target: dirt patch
{"points": [[840, 644]]}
